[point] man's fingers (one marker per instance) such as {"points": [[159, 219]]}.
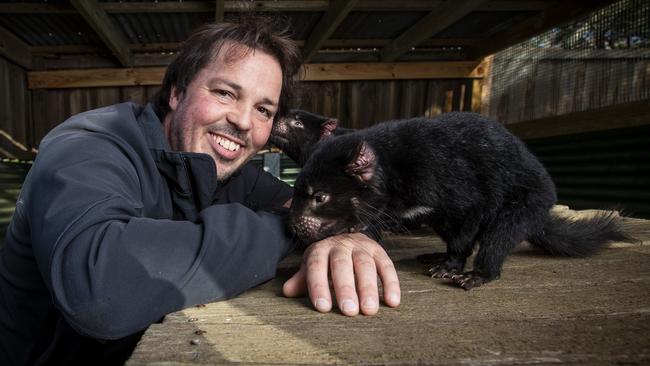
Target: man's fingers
{"points": [[366, 279], [385, 269], [316, 267], [296, 286], [354, 262], [389, 279], [342, 270]]}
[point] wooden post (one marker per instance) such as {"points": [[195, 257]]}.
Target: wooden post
{"points": [[481, 103]]}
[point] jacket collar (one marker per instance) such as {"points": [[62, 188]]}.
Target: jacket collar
{"points": [[151, 127], [191, 176]]}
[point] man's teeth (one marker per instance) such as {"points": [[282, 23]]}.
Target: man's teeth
{"points": [[227, 144]]}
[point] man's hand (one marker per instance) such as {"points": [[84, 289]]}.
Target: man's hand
{"points": [[354, 261]]}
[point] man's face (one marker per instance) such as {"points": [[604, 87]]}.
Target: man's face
{"points": [[227, 110]]}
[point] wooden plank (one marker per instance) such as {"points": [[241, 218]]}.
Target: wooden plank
{"points": [[449, 101], [15, 108], [15, 49], [513, 5], [65, 49], [428, 5], [544, 310], [376, 42], [219, 10], [393, 71], [102, 24], [13, 149], [80, 49], [617, 116], [35, 8], [328, 23], [486, 86], [475, 97], [554, 16], [239, 6], [205, 7], [444, 16], [84, 78], [173, 46]]}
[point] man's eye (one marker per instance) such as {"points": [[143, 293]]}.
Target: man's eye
{"points": [[265, 112], [223, 93]]}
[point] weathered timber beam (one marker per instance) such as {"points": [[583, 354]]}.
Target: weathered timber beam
{"points": [[313, 72], [36, 8], [394, 71], [328, 23], [95, 78], [204, 7], [427, 5], [97, 18], [553, 16], [513, 5], [374, 42], [606, 118], [15, 49], [66, 49], [330, 43], [447, 14], [239, 6], [219, 10]]}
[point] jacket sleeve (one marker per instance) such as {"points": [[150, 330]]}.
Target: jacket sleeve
{"points": [[257, 189], [111, 268]]}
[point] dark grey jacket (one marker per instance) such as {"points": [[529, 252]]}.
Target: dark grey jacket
{"points": [[113, 230]]}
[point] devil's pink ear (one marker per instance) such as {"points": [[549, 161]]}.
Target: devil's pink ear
{"points": [[363, 163], [328, 127]]}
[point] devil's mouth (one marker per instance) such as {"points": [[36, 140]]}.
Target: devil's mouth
{"points": [[327, 230], [351, 229], [275, 139], [357, 228]]}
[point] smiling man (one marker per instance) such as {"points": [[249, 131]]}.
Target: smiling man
{"points": [[227, 112], [130, 213]]}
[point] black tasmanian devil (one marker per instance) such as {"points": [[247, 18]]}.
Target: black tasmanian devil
{"points": [[463, 174], [299, 131]]}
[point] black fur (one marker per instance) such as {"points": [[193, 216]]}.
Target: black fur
{"points": [[297, 133], [465, 175]]}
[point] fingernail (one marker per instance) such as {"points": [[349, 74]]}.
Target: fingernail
{"points": [[369, 304], [393, 298], [322, 304], [348, 306]]}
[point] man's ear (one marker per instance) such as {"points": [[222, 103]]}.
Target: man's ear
{"points": [[363, 163], [328, 127], [174, 99]]}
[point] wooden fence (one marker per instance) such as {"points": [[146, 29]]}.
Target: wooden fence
{"points": [[15, 110], [357, 103]]}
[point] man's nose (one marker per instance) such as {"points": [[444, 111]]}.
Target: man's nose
{"points": [[240, 117]]}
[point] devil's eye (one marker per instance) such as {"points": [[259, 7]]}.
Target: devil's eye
{"points": [[321, 197], [297, 123]]}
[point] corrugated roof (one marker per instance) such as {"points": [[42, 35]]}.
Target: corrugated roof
{"points": [[359, 33]]}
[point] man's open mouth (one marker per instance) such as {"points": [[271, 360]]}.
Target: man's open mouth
{"points": [[226, 143], [225, 147]]}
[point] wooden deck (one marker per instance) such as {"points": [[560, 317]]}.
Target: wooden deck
{"points": [[543, 310]]}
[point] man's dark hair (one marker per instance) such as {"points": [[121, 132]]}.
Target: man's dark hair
{"points": [[206, 43]]}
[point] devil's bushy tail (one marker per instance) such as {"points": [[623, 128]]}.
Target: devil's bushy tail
{"points": [[579, 237]]}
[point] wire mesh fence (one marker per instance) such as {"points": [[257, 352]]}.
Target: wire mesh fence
{"points": [[597, 61]]}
